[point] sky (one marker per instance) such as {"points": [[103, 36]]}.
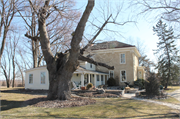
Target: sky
{"points": [[140, 30]]}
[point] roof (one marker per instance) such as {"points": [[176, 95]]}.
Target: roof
{"points": [[110, 45], [80, 69]]}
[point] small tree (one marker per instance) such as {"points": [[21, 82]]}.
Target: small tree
{"points": [[111, 82], [152, 85], [139, 83], [167, 52]]}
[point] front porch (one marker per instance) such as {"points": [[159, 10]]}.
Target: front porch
{"points": [[82, 77]]}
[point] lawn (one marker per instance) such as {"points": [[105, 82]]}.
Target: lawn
{"points": [[172, 88], [12, 106], [169, 100]]}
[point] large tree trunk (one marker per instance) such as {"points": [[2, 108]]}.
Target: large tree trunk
{"points": [[53, 85], [64, 85]]}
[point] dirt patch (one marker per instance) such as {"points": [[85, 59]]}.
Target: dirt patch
{"points": [[96, 95], [75, 101]]}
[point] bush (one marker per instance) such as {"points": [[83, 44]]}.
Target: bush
{"points": [[122, 88], [152, 85], [139, 83], [111, 82], [3, 83], [90, 85], [160, 87], [131, 86]]}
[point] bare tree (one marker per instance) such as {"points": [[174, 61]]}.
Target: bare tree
{"points": [[7, 13], [168, 10], [63, 64], [6, 65], [21, 69], [59, 26], [13, 45]]}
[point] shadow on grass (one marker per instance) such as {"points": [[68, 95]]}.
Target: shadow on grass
{"points": [[6, 105], [27, 91]]}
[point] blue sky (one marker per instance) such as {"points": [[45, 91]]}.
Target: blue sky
{"points": [[130, 32]]}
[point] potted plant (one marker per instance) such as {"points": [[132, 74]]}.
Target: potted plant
{"points": [[83, 88]]}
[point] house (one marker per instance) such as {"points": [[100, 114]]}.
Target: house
{"points": [[123, 57]]}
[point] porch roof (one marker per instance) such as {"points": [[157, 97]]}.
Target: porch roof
{"points": [[85, 71]]}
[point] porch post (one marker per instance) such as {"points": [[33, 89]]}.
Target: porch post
{"points": [[95, 80], [100, 82], [104, 79], [88, 78], [82, 79]]}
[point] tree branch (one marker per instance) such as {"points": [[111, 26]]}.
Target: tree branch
{"points": [[35, 38], [92, 40], [83, 58]]}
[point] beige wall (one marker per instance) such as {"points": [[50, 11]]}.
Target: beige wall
{"points": [[141, 73], [113, 59], [136, 64]]}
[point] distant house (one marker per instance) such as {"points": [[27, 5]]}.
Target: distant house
{"points": [[123, 57]]}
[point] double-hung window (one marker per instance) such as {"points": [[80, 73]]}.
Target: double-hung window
{"points": [[111, 73], [30, 78], [122, 58], [123, 76], [43, 77]]}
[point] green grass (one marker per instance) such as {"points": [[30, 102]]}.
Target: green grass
{"points": [[12, 107], [172, 88]]}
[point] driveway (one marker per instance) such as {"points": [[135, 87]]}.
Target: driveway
{"points": [[175, 94]]}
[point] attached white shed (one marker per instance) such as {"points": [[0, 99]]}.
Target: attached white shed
{"points": [[37, 78]]}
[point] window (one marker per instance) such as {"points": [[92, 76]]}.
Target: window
{"points": [[90, 65], [123, 76], [43, 77], [140, 75], [97, 77], [122, 59], [30, 78], [101, 77], [111, 73]]}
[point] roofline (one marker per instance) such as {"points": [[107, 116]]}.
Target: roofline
{"points": [[118, 50], [41, 67]]}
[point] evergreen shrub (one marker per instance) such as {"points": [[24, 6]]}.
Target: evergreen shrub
{"points": [[111, 82]]}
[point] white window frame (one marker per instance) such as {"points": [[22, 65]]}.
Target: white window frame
{"points": [[112, 72], [29, 79], [121, 60], [44, 79], [121, 76]]}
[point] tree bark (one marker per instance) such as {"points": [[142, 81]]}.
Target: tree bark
{"points": [[13, 63]]}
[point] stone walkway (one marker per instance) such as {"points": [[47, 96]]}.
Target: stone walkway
{"points": [[175, 94]]}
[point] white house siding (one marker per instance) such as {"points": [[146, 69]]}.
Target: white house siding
{"points": [[37, 79], [76, 78], [88, 66]]}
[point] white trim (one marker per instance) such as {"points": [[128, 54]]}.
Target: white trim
{"points": [[120, 58], [121, 76], [44, 79], [37, 68], [113, 73]]}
